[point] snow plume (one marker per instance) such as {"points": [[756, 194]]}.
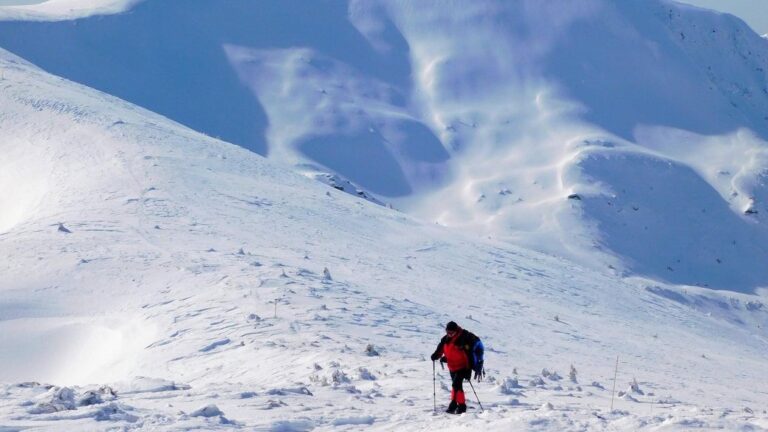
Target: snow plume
{"points": [[60, 10], [322, 111]]}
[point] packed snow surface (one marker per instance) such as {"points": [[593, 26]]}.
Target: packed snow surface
{"points": [[155, 277]]}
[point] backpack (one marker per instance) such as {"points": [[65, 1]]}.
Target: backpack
{"points": [[475, 350]]}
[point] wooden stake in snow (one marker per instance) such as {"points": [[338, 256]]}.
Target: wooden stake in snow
{"points": [[651, 406], [327, 275], [615, 373]]}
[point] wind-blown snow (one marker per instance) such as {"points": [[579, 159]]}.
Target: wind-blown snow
{"points": [[59, 10], [175, 281]]}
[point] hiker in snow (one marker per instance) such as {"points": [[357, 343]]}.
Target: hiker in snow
{"points": [[463, 351]]}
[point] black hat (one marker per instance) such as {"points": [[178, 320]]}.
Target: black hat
{"points": [[451, 326]]}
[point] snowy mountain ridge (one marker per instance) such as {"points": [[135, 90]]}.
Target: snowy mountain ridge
{"points": [[409, 105]]}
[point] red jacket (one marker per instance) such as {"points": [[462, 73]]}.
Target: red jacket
{"points": [[455, 355], [456, 350]]}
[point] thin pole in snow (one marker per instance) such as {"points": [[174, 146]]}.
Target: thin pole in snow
{"points": [[434, 388], [473, 391], [615, 374]]}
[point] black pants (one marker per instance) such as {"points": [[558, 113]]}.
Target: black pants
{"points": [[457, 379]]}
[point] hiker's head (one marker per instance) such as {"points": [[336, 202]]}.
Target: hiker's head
{"points": [[451, 328]]}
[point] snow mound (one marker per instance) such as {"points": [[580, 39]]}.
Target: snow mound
{"points": [[149, 385], [207, 411]]}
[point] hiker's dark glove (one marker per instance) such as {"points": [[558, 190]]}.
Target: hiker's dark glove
{"points": [[435, 356], [479, 372]]}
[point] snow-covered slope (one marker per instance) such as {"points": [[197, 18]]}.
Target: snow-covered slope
{"points": [[59, 10], [183, 272], [484, 116]]}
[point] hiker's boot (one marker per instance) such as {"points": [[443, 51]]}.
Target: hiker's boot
{"points": [[452, 407]]}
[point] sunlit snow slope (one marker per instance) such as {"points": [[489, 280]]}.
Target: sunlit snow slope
{"points": [[173, 281], [484, 115]]}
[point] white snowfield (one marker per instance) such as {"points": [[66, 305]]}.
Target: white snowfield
{"points": [[153, 277]]}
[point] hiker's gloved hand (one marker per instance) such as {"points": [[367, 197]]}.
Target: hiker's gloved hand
{"points": [[435, 356], [479, 372]]}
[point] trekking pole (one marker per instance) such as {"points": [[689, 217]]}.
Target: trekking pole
{"points": [[434, 387], [615, 374], [473, 391]]}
